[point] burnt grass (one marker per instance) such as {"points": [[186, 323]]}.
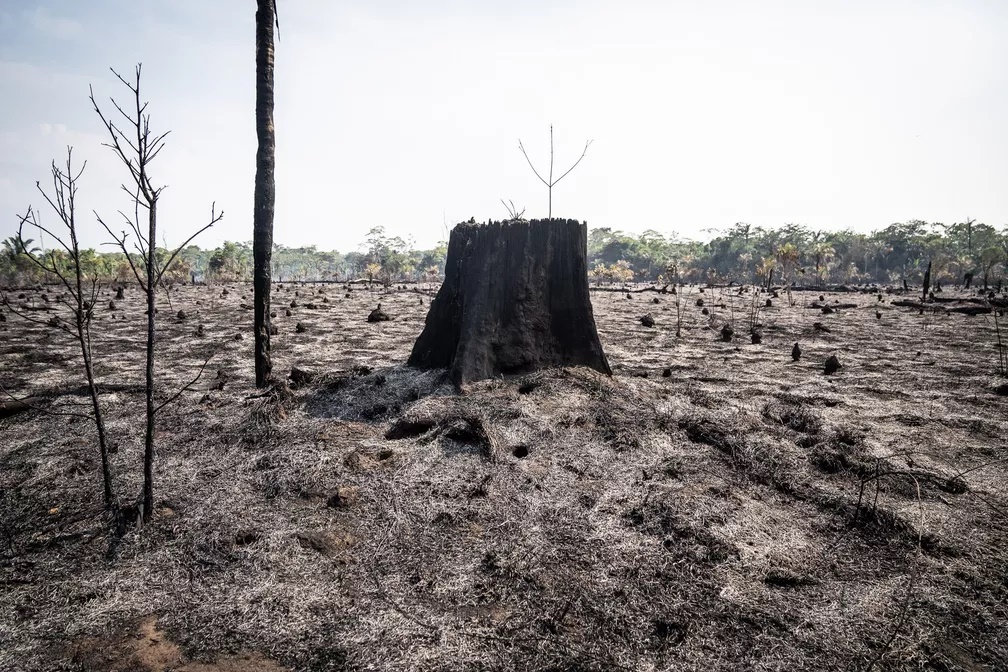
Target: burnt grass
{"points": [[741, 511]]}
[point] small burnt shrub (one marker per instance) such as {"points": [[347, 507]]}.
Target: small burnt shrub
{"points": [[833, 458], [795, 416]]}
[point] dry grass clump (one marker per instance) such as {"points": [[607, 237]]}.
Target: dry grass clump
{"points": [[793, 415]]}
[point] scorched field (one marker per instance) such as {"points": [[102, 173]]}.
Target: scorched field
{"points": [[715, 505]]}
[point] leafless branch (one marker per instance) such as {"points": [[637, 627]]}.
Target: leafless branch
{"points": [[120, 242], [214, 218], [522, 148], [188, 385], [587, 145]]}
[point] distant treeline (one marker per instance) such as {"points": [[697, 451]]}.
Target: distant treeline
{"points": [[742, 253], [746, 253]]}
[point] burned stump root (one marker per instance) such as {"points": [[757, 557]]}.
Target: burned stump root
{"points": [[514, 300]]}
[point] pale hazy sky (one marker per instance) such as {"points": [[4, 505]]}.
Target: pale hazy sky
{"points": [[407, 114]]}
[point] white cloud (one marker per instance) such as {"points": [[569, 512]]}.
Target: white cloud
{"points": [[59, 27]]}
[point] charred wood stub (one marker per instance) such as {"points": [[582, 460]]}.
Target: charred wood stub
{"points": [[514, 300], [832, 365], [378, 315]]}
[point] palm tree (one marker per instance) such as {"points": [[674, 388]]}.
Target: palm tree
{"points": [[13, 258], [265, 188], [14, 246], [823, 253], [787, 256], [765, 270]]}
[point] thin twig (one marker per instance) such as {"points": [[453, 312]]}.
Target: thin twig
{"points": [[187, 386]]}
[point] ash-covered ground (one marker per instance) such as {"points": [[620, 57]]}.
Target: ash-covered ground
{"points": [[712, 506]]}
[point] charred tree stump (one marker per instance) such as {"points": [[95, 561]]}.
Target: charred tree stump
{"points": [[514, 300]]}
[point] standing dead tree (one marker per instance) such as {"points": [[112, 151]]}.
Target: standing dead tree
{"points": [[265, 189], [551, 182], [62, 262], [136, 147]]}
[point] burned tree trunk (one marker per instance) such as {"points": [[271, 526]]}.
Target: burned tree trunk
{"points": [[515, 299], [264, 196], [927, 282]]}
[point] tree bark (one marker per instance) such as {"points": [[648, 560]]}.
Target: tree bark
{"points": [[148, 464], [265, 190], [514, 300]]}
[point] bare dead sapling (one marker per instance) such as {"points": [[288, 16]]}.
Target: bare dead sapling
{"points": [[132, 141], [681, 297], [550, 183], [62, 263]]}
